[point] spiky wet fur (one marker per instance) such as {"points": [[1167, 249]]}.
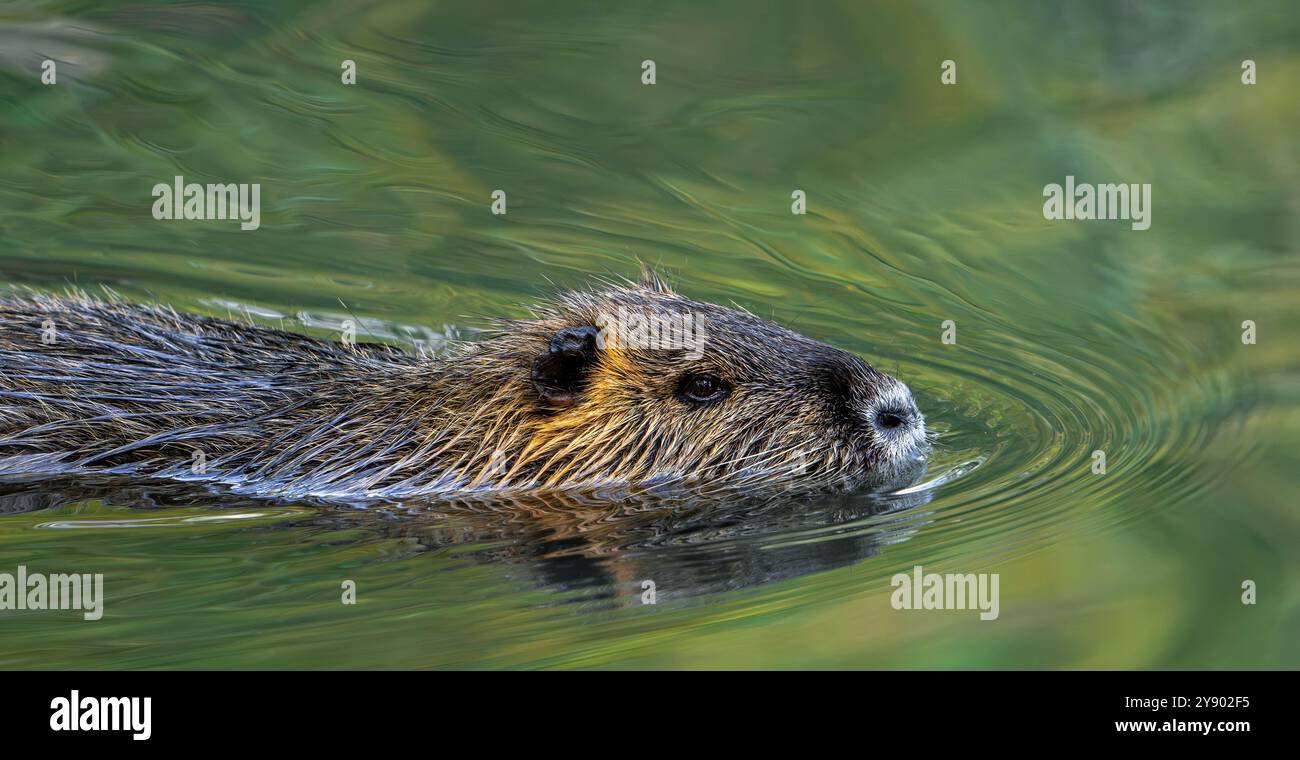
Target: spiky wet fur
{"points": [[147, 391]]}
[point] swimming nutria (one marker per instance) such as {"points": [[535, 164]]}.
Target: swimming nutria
{"points": [[553, 401]]}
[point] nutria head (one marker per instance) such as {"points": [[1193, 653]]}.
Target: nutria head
{"points": [[637, 384]]}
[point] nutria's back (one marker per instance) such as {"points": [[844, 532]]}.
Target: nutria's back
{"points": [[622, 385]]}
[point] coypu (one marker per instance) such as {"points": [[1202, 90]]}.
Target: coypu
{"points": [[548, 402]]}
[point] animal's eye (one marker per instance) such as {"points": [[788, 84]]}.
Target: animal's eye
{"points": [[703, 389]]}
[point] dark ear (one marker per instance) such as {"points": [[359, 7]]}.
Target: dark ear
{"points": [[560, 373], [651, 281]]}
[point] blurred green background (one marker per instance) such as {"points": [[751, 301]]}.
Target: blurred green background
{"points": [[924, 205]]}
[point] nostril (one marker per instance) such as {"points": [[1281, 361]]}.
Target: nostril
{"points": [[890, 420]]}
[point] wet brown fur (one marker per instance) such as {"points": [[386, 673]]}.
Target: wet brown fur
{"points": [[147, 391]]}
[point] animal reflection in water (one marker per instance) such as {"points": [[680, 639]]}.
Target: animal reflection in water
{"points": [[597, 551]]}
